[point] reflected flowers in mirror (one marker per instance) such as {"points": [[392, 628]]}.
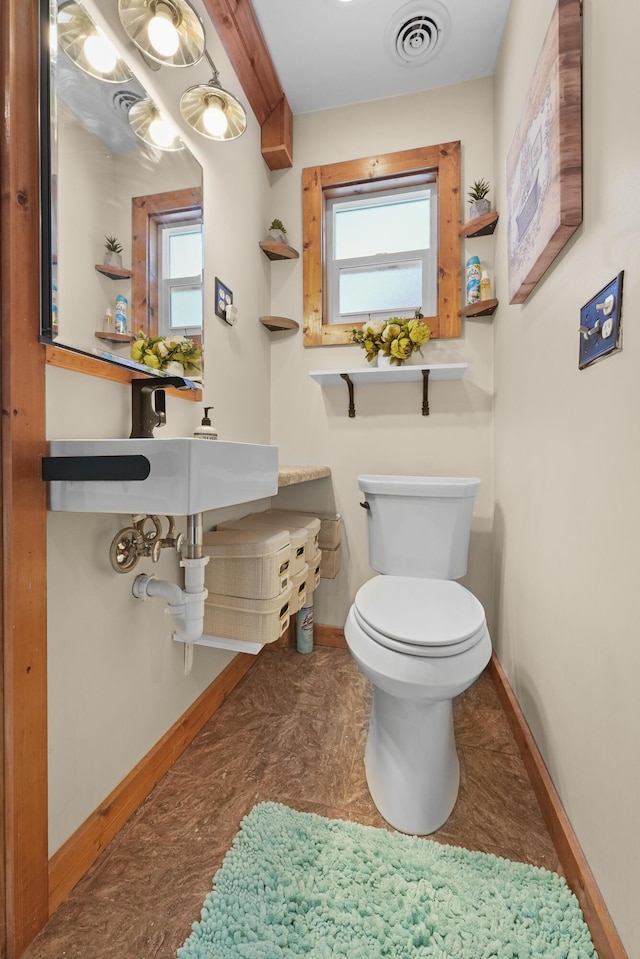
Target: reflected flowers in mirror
{"points": [[173, 354]]}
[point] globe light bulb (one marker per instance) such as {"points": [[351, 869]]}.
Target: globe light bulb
{"points": [[163, 36], [100, 52], [214, 119], [161, 132]]}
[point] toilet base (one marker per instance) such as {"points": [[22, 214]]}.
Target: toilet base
{"points": [[411, 762]]}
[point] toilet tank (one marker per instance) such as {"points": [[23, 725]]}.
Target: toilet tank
{"points": [[419, 525]]}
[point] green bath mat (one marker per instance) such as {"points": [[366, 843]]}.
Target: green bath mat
{"points": [[297, 886]]}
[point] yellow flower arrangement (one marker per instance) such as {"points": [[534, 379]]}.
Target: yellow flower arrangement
{"points": [[396, 337], [157, 352]]}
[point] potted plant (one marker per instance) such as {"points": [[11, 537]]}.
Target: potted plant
{"points": [[478, 199], [173, 354], [392, 342], [113, 252], [277, 231]]}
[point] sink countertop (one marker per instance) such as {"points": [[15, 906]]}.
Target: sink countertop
{"points": [[290, 475]]}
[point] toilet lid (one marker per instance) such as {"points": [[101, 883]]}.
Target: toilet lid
{"points": [[426, 613]]}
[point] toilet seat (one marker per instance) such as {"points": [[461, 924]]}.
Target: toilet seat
{"points": [[419, 617]]}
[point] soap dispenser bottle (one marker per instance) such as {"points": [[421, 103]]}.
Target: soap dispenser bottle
{"points": [[206, 431]]}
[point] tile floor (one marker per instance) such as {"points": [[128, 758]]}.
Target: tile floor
{"points": [[292, 731]]}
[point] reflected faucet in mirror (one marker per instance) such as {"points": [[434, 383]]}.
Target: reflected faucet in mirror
{"points": [[148, 404]]}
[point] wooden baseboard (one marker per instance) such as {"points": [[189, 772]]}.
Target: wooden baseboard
{"points": [[329, 636], [574, 864], [69, 864]]}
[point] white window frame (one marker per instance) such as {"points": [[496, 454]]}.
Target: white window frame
{"points": [[167, 284], [427, 256]]}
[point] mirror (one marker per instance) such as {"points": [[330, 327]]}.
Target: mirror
{"points": [[109, 188]]}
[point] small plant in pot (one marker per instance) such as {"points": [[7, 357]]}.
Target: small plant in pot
{"points": [[478, 199], [278, 232], [113, 252]]}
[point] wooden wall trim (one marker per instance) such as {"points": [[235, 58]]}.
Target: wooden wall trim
{"points": [[237, 26], [69, 864], [24, 608], [441, 161], [93, 366], [576, 868], [329, 636]]}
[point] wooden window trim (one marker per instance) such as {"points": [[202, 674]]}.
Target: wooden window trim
{"points": [[441, 161], [148, 214]]}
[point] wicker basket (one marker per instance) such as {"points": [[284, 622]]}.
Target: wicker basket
{"points": [[253, 620], [330, 529], [330, 563], [308, 521], [314, 572], [299, 589], [297, 535], [247, 562]]}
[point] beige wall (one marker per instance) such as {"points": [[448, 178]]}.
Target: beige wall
{"points": [[388, 435], [568, 466], [116, 679]]}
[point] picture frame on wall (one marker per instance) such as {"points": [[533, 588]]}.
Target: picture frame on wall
{"points": [[544, 161]]}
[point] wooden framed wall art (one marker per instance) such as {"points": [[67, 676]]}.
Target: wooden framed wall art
{"points": [[544, 162]]}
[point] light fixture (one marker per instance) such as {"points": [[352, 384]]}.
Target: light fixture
{"points": [[148, 123], [212, 111], [84, 42], [167, 31]]}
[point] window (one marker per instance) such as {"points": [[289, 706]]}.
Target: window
{"points": [[412, 198], [155, 217], [382, 254], [180, 279]]}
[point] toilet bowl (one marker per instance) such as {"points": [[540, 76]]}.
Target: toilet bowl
{"points": [[421, 640]]}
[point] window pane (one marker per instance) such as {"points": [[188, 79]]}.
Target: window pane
{"points": [[385, 228], [186, 308], [185, 253], [391, 287]]}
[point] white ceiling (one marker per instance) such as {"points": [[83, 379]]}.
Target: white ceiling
{"points": [[329, 53]]}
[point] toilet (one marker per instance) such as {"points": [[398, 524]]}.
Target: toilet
{"points": [[420, 638]]}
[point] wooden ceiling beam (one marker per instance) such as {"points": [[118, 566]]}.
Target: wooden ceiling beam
{"points": [[237, 26]]}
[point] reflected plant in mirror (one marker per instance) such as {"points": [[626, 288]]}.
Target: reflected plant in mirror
{"points": [[118, 171]]}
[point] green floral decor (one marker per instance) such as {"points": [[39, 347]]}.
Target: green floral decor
{"points": [[159, 352], [396, 338]]}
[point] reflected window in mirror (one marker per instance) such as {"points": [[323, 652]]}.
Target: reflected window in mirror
{"points": [[180, 279], [153, 215]]}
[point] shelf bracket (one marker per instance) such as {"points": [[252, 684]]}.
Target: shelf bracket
{"points": [[349, 382], [425, 392]]}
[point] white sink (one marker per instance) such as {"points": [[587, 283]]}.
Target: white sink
{"points": [[185, 475]]}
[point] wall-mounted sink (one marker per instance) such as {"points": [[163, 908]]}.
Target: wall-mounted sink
{"points": [[183, 475]]}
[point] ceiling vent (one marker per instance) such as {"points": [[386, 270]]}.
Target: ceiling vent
{"points": [[416, 32], [123, 99]]}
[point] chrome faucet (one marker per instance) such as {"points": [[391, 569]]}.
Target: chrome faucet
{"points": [[148, 404]]}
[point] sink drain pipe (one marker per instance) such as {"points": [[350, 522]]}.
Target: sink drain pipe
{"points": [[185, 605]]}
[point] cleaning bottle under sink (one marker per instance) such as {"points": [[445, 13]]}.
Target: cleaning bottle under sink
{"points": [[206, 431]]}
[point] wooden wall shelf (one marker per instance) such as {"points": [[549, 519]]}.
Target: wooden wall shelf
{"points": [[278, 251], [481, 308], [114, 272], [391, 374], [275, 323], [114, 337], [480, 226]]}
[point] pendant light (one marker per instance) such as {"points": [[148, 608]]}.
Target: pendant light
{"points": [[148, 123], [212, 111], [84, 42], [167, 31]]}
